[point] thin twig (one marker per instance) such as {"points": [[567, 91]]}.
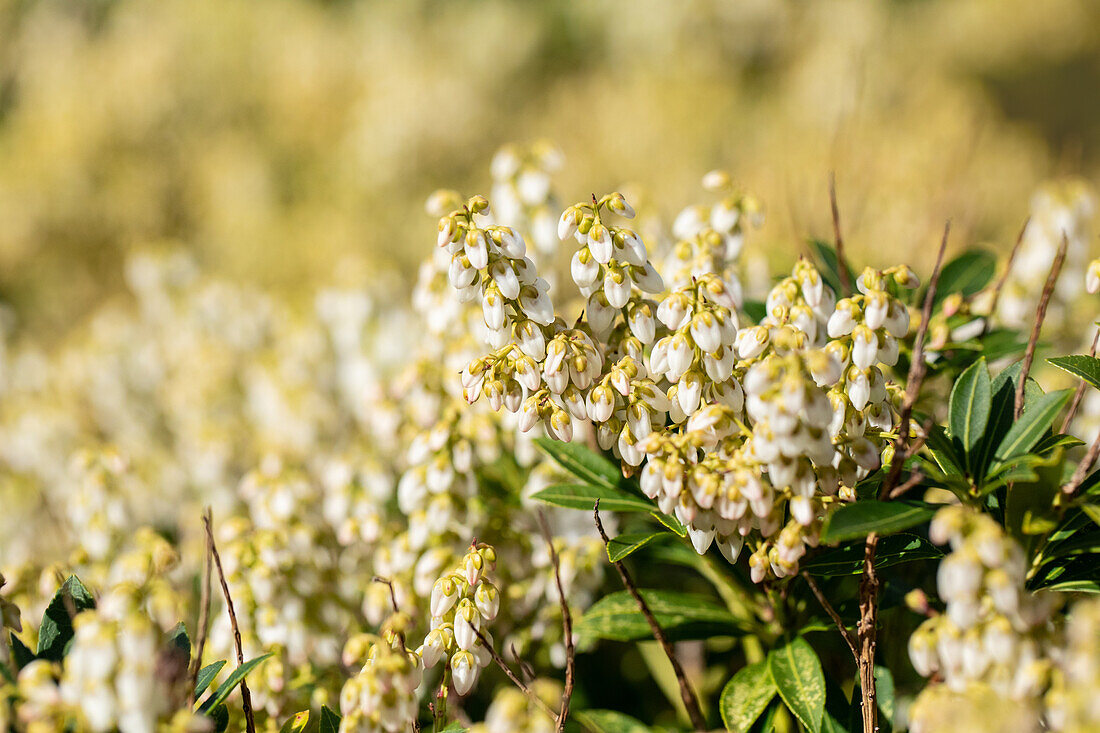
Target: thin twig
{"points": [[246, 696], [515, 680], [838, 241], [1079, 393], [204, 615], [867, 630], [1040, 316], [566, 625], [393, 602], [912, 482], [849, 637], [1004, 275], [524, 667], [1083, 467], [690, 703]]}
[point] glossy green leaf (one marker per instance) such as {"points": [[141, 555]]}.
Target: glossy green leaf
{"points": [[892, 550], [966, 274], [626, 544], [220, 716], [1032, 425], [797, 674], [206, 676], [858, 519], [1080, 365], [20, 653], [224, 689], [179, 639], [944, 452], [330, 721], [681, 615], [609, 721], [884, 692], [756, 310], [582, 462], [1003, 403], [583, 496], [296, 724], [671, 522], [969, 407], [746, 696], [56, 630]]}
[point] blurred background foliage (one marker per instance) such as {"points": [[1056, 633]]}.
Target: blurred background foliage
{"points": [[289, 143]]}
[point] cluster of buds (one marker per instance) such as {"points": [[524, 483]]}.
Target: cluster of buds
{"points": [[697, 357], [463, 603], [710, 238], [993, 634], [490, 262], [382, 696], [1072, 704], [626, 406]]}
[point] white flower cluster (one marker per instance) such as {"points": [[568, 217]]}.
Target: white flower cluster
{"points": [[463, 603], [709, 239], [775, 418], [382, 696], [994, 635], [521, 189], [1073, 704]]}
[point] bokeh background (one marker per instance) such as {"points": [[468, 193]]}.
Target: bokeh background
{"points": [[293, 142]]}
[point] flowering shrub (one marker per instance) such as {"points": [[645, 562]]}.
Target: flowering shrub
{"points": [[839, 500]]}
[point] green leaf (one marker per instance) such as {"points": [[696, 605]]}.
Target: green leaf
{"points": [[627, 544], [1033, 423], [856, 520], [582, 462], [180, 640], [756, 310], [966, 274], [892, 550], [830, 266], [220, 716], [454, 727], [1080, 365], [56, 630], [837, 710], [330, 721], [583, 496], [970, 404], [206, 676], [231, 682], [681, 615], [20, 654], [797, 673], [609, 721], [297, 724], [746, 696], [944, 453], [671, 522], [1000, 417]]}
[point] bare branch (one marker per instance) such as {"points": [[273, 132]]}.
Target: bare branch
{"points": [[515, 680], [849, 637], [912, 482], [838, 241], [1004, 275], [204, 613], [566, 624], [1082, 469], [246, 695], [1040, 316], [867, 630], [686, 693], [1079, 393]]}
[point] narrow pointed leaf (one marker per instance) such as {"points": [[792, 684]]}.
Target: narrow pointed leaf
{"points": [[224, 689], [583, 496], [297, 724], [330, 721], [966, 274], [609, 721], [970, 404], [56, 630], [582, 462], [206, 676], [1032, 425], [746, 696], [682, 615], [1080, 365], [626, 544], [797, 674], [856, 520]]}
